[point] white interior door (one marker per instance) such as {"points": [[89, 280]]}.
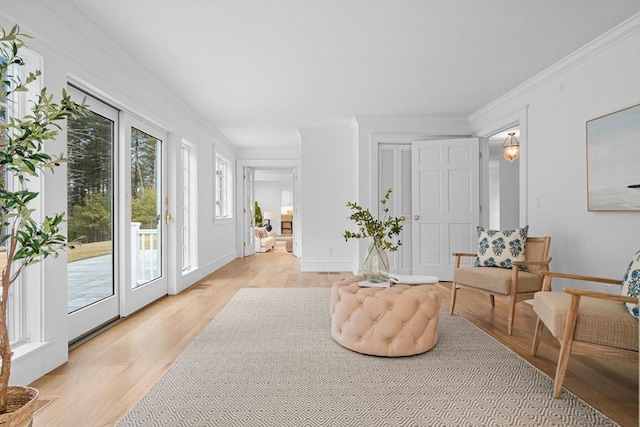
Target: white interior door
{"points": [[445, 203], [249, 179], [145, 213], [395, 173]]}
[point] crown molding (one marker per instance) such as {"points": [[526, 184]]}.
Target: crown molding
{"points": [[622, 31]]}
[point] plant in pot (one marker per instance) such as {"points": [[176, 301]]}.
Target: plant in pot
{"points": [[375, 267], [258, 215], [25, 241]]}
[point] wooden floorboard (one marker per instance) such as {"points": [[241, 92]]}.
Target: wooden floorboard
{"points": [[106, 376]]}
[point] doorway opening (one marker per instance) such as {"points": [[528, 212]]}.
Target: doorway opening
{"points": [[272, 184], [502, 203], [274, 195]]}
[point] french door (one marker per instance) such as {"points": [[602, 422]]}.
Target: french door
{"points": [[92, 294], [145, 211], [115, 204], [248, 211]]}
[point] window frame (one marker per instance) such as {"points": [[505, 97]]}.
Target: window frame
{"points": [[189, 220], [223, 185], [24, 305]]}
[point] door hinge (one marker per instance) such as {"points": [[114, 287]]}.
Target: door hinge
{"points": [[480, 153], [480, 209]]}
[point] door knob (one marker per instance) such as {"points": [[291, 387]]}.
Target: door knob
{"points": [[402, 218], [416, 217]]}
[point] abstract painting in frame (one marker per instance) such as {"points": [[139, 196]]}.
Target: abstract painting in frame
{"points": [[613, 161]]}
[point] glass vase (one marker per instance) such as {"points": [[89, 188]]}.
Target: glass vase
{"points": [[375, 267]]}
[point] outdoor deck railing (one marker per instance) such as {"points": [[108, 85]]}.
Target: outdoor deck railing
{"points": [[144, 249]]}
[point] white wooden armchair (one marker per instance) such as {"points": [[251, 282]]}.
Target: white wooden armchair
{"points": [[585, 322], [511, 283]]}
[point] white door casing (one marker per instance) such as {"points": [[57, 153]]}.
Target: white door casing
{"points": [[445, 199]]}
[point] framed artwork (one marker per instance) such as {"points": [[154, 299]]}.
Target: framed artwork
{"points": [[613, 161]]}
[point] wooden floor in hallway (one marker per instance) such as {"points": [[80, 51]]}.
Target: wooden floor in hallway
{"points": [[106, 375]]}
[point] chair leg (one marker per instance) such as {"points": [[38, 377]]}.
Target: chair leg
{"points": [[454, 288], [565, 348], [492, 299], [536, 337], [561, 369], [512, 312]]}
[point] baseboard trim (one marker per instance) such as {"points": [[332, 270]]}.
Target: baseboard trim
{"points": [[200, 273]]}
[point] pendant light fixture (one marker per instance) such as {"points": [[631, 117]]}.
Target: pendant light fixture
{"points": [[511, 147]]}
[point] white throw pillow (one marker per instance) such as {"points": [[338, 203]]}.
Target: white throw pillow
{"points": [[501, 248], [631, 284]]}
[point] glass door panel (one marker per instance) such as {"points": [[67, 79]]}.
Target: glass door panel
{"points": [[92, 296], [249, 211], [146, 208], [90, 212]]}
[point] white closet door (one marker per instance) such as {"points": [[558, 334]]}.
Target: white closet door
{"points": [[405, 203], [395, 173]]}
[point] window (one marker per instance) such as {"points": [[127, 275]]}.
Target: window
{"points": [[189, 220], [223, 188], [17, 105], [15, 301]]}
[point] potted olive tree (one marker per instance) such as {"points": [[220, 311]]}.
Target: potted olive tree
{"points": [[25, 240]]}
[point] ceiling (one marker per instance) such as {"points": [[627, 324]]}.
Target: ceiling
{"points": [[260, 70]]}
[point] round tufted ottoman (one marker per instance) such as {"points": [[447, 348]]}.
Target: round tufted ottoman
{"points": [[397, 321]]}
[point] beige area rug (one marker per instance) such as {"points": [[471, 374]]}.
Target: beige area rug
{"points": [[268, 359]]}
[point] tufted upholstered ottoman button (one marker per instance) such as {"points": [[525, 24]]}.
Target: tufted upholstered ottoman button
{"points": [[417, 307]]}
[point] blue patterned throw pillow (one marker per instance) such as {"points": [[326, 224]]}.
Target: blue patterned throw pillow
{"points": [[500, 248], [631, 284]]}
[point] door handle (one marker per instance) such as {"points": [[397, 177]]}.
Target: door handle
{"points": [[416, 217], [402, 218]]}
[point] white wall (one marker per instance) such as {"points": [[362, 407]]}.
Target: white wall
{"points": [[598, 79], [72, 48], [328, 183]]}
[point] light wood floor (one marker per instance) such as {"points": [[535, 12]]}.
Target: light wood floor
{"points": [[108, 374]]}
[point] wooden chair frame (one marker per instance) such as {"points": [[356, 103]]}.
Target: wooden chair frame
{"points": [[568, 344], [513, 296]]}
